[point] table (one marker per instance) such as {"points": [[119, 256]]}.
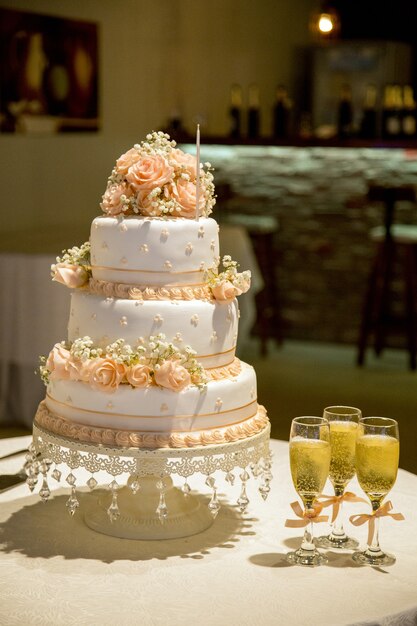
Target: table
{"points": [[34, 316], [56, 571]]}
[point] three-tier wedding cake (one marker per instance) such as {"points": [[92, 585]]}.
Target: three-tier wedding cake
{"points": [[149, 361]]}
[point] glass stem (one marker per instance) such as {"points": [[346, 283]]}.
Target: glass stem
{"points": [[307, 543], [337, 526], [374, 548]]}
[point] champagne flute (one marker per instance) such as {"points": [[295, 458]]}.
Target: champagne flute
{"points": [[377, 456], [343, 424], [309, 461]]}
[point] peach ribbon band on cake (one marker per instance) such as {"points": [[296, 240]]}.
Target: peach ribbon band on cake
{"points": [[306, 515], [144, 278], [383, 511], [336, 501]]}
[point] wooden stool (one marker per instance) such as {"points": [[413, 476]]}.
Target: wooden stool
{"points": [[392, 239], [262, 230]]}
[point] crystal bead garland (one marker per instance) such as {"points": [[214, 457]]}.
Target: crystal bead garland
{"points": [[92, 483], [213, 505], [113, 511], [161, 509], [243, 499], [265, 486], [135, 485], [56, 474], [31, 468], [44, 491], [186, 489], [72, 502], [230, 478]]}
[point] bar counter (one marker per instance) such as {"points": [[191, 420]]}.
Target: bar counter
{"points": [[317, 191]]}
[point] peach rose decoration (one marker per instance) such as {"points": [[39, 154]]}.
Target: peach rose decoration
{"points": [[149, 172], [78, 370], [185, 193], [112, 203], [187, 162], [138, 375], [172, 375], [126, 160], [57, 362], [225, 291], [106, 375], [71, 276]]}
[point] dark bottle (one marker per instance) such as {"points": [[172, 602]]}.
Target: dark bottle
{"points": [[345, 113], [281, 113], [253, 112], [391, 113], [235, 111], [409, 115], [369, 120]]}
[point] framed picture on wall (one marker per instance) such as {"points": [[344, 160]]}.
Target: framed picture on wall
{"points": [[48, 73]]}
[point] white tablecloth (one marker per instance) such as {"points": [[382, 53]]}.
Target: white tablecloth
{"points": [[56, 571], [34, 314]]}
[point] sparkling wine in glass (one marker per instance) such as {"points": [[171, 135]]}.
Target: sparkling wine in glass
{"points": [[377, 457], [343, 424], [309, 462]]}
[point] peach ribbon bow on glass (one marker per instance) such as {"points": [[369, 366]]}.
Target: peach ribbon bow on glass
{"points": [[336, 501], [306, 516], [383, 511]]}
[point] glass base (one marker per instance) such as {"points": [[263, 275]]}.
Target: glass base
{"points": [[367, 557], [306, 557], [343, 542]]}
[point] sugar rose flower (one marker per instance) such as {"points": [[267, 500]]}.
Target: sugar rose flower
{"points": [[145, 204], [149, 172], [57, 362], [79, 370], [184, 192], [114, 199], [172, 375], [187, 162], [225, 291], [126, 160], [71, 276], [106, 375], [138, 375]]}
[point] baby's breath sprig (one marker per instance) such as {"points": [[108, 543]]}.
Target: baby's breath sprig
{"points": [[229, 273], [43, 370], [83, 349], [77, 255]]}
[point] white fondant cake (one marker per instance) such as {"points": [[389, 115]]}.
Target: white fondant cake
{"points": [[150, 356]]}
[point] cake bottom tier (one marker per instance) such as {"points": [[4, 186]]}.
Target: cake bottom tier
{"points": [[248, 427]]}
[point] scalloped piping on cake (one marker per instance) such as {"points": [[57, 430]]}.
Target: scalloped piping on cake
{"points": [[133, 292], [125, 438]]}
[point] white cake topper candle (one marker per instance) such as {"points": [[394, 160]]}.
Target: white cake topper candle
{"points": [[197, 175]]}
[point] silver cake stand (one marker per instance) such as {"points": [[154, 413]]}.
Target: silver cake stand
{"points": [[140, 500]]}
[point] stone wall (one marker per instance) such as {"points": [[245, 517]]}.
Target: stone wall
{"points": [[323, 249]]}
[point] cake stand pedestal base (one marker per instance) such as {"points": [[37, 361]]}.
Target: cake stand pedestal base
{"points": [[137, 498], [140, 517]]}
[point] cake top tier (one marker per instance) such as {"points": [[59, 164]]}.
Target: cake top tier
{"points": [[154, 178]]}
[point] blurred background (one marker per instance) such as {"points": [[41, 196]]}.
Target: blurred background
{"points": [[308, 115]]}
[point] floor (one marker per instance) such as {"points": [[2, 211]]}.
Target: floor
{"points": [[303, 378]]}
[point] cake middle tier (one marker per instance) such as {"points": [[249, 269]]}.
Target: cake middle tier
{"points": [[209, 327]]}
